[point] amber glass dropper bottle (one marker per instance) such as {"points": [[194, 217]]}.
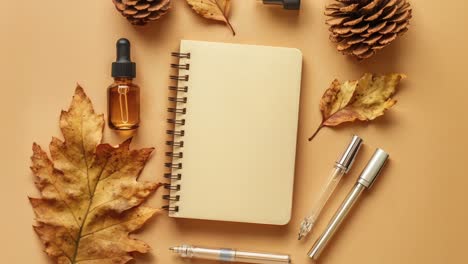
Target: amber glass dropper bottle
{"points": [[123, 96]]}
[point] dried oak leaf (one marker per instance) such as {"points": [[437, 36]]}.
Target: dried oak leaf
{"points": [[364, 99], [90, 197], [213, 9]]}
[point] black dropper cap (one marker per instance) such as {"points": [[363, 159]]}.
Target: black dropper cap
{"points": [[287, 4], [123, 67]]}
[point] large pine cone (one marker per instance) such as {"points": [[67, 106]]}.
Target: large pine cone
{"points": [[362, 27], [140, 12]]}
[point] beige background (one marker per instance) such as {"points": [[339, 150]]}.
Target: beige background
{"points": [[417, 210]]}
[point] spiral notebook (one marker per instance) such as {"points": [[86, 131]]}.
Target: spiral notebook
{"points": [[234, 118]]}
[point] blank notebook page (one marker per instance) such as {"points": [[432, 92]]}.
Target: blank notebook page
{"points": [[240, 132]]}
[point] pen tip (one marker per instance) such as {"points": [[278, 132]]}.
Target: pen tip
{"points": [[171, 248], [299, 237]]}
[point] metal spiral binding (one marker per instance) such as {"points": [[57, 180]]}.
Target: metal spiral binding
{"points": [[175, 143], [177, 110], [177, 99], [169, 176], [177, 132], [175, 154], [181, 66], [173, 165], [171, 197], [171, 187], [179, 89], [179, 78], [176, 121], [180, 55], [171, 208]]}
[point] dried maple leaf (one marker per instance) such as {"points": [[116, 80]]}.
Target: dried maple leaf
{"points": [[213, 9], [90, 197], [364, 99]]}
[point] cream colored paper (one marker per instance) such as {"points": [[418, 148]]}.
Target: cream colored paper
{"points": [[240, 132]]}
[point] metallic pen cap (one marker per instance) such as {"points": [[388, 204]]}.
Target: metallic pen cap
{"points": [[347, 159], [373, 168]]}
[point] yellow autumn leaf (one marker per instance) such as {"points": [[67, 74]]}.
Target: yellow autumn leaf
{"points": [[364, 99], [213, 9], [90, 197]]}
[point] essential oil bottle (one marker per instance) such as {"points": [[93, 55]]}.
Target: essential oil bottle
{"points": [[123, 96]]}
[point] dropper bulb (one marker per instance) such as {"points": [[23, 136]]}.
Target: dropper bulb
{"points": [[123, 66], [123, 50]]}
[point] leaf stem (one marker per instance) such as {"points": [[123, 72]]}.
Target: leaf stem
{"points": [[88, 210], [223, 11], [230, 26], [316, 132]]}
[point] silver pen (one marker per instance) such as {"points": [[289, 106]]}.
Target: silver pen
{"points": [[342, 166], [230, 255], [365, 181]]}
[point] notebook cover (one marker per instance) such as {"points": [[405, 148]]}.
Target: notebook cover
{"points": [[240, 132]]}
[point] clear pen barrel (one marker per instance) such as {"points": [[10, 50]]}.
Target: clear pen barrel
{"points": [[332, 181], [335, 176]]}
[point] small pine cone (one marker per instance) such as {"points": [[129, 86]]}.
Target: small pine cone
{"points": [[362, 27], [140, 12]]}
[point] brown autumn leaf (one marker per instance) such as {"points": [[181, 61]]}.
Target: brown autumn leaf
{"points": [[213, 9], [90, 197], [364, 99]]}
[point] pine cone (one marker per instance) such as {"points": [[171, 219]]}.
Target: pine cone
{"points": [[362, 27], [140, 12]]}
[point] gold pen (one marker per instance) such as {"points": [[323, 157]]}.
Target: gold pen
{"points": [[230, 255]]}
